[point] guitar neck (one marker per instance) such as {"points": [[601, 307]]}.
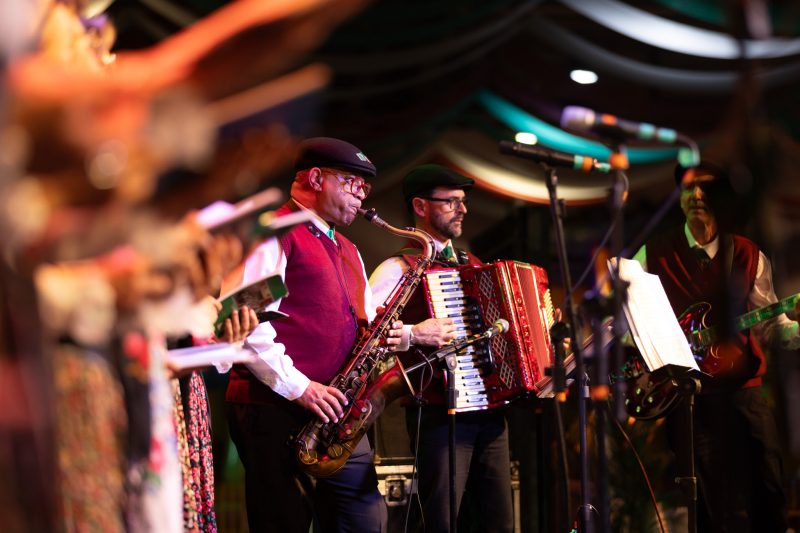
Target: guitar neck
{"points": [[750, 319]]}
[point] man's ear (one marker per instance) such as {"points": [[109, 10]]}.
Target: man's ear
{"points": [[315, 178], [419, 206]]}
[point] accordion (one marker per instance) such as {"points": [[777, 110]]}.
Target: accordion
{"points": [[494, 372]]}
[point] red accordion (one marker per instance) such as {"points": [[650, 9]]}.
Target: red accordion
{"points": [[490, 374]]}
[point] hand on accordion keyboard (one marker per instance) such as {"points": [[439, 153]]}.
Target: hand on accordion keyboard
{"points": [[567, 342], [433, 332]]}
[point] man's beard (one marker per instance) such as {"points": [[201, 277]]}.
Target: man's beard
{"points": [[448, 229]]}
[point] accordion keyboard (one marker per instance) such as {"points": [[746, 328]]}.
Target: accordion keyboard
{"points": [[448, 300]]}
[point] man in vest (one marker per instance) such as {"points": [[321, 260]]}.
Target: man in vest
{"points": [[737, 456], [271, 399], [436, 196]]}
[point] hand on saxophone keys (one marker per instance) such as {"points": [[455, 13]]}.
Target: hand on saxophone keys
{"points": [[326, 402], [394, 335]]}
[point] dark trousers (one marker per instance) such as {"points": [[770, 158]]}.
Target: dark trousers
{"points": [[281, 498], [737, 460], [482, 469]]}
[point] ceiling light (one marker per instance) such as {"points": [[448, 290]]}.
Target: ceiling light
{"points": [[584, 77]]}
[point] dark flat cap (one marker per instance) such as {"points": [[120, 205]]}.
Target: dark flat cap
{"points": [[333, 153], [705, 167], [425, 178]]}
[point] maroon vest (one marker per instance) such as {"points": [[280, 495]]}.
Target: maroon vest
{"points": [[325, 305], [686, 282], [417, 310]]}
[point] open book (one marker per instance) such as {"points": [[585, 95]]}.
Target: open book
{"points": [[254, 217], [257, 296], [653, 325], [211, 354]]}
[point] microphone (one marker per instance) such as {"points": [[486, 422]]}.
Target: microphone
{"points": [[553, 158], [500, 326], [583, 119]]}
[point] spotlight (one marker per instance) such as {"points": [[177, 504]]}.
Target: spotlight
{"points": [[584, 77]]}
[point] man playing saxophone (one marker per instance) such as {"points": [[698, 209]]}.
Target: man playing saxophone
{"points": [[297, 356]]}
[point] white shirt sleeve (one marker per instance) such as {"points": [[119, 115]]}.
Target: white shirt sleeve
{"points": [[383, 281], [779, 330], [273, 366], [370, 302]]}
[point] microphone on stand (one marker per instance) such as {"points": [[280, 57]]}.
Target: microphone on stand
{"points": [[553, 158], [603, 124]]}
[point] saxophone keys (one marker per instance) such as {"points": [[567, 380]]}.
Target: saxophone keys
{"points": [[335, 451]]}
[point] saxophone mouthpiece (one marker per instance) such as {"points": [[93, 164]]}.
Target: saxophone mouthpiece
{"points": [[369, 214], [372, 215]]}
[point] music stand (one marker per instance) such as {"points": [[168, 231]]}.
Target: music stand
{"points": [[665, 352], [687, 381]]}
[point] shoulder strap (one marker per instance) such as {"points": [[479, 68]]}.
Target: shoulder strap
{"points": [[728, 249]]}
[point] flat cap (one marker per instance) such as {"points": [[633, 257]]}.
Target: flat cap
{"points": [[704, 168], [333, 153], [424, 178]]}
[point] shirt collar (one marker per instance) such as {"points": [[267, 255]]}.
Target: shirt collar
{"points": [[441, 245], [318, 221], [711, 248]]}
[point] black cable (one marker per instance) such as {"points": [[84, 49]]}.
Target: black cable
{"points": [[641, 465]]}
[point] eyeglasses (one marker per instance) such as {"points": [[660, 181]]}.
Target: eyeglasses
{"points": [[352, 184], [450, 204]]}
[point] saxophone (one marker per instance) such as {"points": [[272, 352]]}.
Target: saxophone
{"points": [[322, 449]]}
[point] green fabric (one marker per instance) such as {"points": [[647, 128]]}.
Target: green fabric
{"points": [[447, 252]]}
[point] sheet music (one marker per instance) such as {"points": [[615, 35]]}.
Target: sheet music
{"points": [[211, 354], [653, 325]]}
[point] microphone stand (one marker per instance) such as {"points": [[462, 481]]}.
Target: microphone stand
{"points": [[556, 211], [619, 161], [448, 355], [452, 394]]}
